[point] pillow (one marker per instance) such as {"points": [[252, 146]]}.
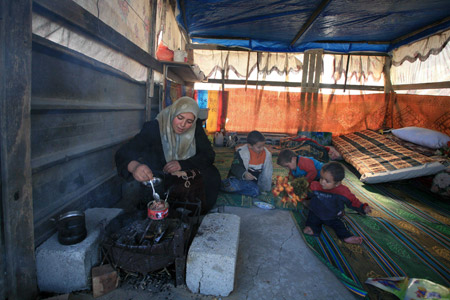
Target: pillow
{"points": [[422, 136]]}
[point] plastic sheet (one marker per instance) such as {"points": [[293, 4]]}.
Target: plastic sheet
{"points": [[341, 25], [411, 288]]}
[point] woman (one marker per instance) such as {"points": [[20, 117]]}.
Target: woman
{"points": [[174, 141]]}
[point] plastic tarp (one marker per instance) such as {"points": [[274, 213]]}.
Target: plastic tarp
{"points": [[341, 26]]}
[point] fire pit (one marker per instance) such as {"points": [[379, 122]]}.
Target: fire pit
{"points": [[136, 243]]}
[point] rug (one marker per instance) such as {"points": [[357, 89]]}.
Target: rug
{"points": [[224, 157], [407, 233]]}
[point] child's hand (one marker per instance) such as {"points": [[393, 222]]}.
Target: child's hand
{"points": [[367, 209], [248, 176]]}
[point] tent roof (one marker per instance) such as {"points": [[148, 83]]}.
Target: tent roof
{"points": [[297, 25]]}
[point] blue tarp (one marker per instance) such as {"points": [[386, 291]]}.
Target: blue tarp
{"points": [[341, 26]]}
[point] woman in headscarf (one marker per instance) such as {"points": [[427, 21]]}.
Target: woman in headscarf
{"points": [[175, 141]]}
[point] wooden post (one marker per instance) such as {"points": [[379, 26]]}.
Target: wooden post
{"points": [[17, 260], [346, 71], [246, 76], [387, 75], [303, 85], [149, 98]]}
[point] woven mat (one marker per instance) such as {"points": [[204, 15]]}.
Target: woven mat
{"points": [[407, 233]]}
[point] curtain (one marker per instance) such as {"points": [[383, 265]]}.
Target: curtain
{"points": [[431, 112], [210, 61], [216, 103], [290, 112]]}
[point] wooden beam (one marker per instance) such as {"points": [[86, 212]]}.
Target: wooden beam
{"points": [[42, 44], [311, 19], [215, 47], [296, 84], [150, 82], [183, 11], [422, 86], [18, 264], [404, 37], [225, 48], [352, 42], [73, 14], [218, 37]]}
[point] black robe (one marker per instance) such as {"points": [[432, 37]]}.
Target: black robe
{"points": [[146, 147]]}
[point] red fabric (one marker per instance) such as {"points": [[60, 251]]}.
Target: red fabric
{"points": [[283, 112], [339, 190], [432, 112], [219, 112], [288, 112]]}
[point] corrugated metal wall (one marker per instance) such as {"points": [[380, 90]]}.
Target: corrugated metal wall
{"points": [[80, 113]]}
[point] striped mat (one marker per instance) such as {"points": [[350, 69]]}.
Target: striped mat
{"points": [[372, 152], [407, 233]]}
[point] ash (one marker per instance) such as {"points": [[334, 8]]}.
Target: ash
{"points": [[155, 282], [145, 232]]}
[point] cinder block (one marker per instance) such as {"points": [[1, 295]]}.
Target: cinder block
{"points": [[211, 261], [64, 269]]}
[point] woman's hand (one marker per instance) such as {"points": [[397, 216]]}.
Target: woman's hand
{"points": [[172, 166], [249, 176], [140, 171]]}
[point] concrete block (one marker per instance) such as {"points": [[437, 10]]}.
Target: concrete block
{"points": [[64, 269], [211, 261]]}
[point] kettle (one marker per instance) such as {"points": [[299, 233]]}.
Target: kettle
{"points": [[71, 227]]}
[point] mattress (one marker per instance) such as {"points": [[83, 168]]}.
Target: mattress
{"points": [[379, 159]]}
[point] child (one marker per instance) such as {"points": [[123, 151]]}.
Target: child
{"points": [[327, 204], [299, 166], [333, 153], [251, 169]]}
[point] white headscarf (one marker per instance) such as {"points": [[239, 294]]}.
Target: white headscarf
{"points": [[177, 146]]}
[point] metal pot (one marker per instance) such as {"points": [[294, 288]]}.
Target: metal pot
{"points": [[71, 227]]}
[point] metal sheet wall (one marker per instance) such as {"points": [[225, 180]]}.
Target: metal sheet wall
{"points": [[80, 113]]}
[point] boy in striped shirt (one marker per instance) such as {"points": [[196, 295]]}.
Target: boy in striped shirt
{"points": [[251, 169]]}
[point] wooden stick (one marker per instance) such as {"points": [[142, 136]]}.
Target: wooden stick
{"points": [[246, 76]]}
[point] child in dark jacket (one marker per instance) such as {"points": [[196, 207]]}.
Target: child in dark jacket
{"points": [[327, 204], [251, 169], [300, 166]]}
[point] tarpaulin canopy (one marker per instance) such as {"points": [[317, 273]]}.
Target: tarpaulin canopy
{"points": [[341, 26]]}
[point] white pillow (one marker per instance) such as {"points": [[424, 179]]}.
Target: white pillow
{"points": [[422, 136]]}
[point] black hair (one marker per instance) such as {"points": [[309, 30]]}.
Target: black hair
{"points": [[254, 137], [336, 170], [285, 156]]}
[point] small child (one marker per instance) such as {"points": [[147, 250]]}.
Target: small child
{"points": [[300, 166], [333, 153], [327, 204], [251, 169]]}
